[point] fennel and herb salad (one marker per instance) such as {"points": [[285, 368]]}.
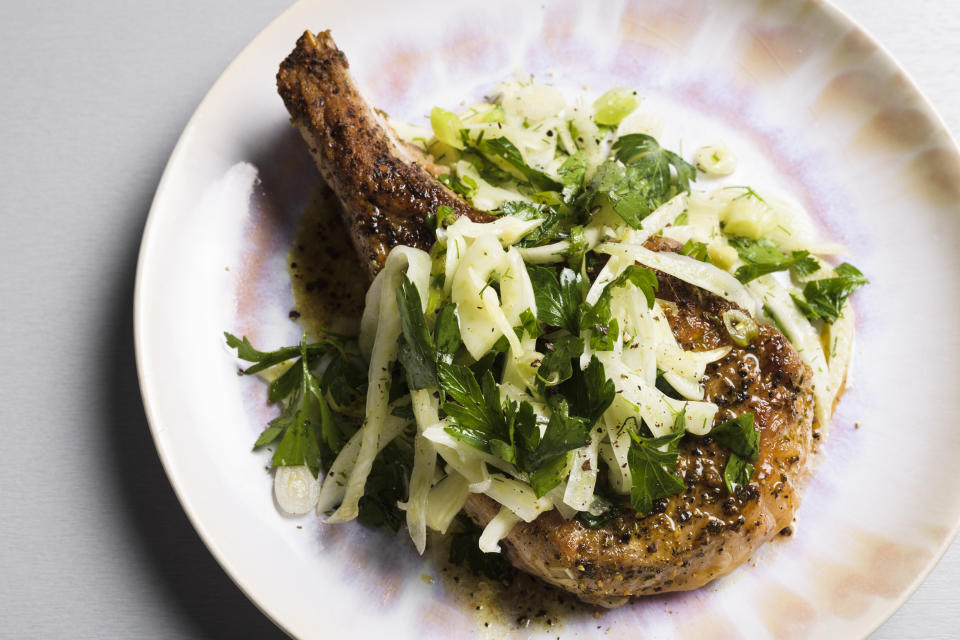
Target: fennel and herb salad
{"points": [[529, 358]]}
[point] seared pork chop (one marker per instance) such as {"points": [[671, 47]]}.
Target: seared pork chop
{"points": [[384, 187], [690, 538], [703, 533]]}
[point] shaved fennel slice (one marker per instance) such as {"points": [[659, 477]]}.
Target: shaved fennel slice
{"points": [[456, 249], [438, 435], [555, 496], [608, 274], [687, 387], [699, 417], [520, 371], [557, 251], [497, 529], [803, 336], [506, 229], [416, 264], [516, 289], [703, 358], [334, 484], [618, 476], [487, 196], [636, 400], [518, 497], [657, 220], [840, 345], [640, 355], [425, 410], [472, 469], [583, 473], [701, 274], [445, 501], [482, 321]]}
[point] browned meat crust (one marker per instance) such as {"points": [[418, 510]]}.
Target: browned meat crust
{"points": [[702, 533], [386, 193]]}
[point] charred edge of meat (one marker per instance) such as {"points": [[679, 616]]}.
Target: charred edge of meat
{"points": [[386, 193]]}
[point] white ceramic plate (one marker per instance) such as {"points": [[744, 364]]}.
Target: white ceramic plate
{"points": [[813, 107]]}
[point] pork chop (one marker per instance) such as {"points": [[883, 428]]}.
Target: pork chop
{"points": [[690, 538], [703, 533], [386, 192]]}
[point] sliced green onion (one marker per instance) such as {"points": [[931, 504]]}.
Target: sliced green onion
{"points": [[740, 326], [614, 106], [446, 127]]}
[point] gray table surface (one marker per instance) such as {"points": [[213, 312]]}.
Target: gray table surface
{"points": [[94, 96]]}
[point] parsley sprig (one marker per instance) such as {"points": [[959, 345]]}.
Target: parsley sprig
{"points": [[824, 299], [306, 429], [641, 177], [741, 437], [763, 257], [652, 462]]}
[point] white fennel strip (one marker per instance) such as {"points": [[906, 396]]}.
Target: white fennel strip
{"points": [[335, 480], [701, 274], [425, 406], [445, 501], [416, 264], [497, 529]]}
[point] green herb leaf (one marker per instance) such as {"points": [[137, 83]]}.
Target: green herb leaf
{"points": [[269, 435], [417, 352], [446, 330], [557, 365], [282, 386], [571, 173], [306, 429], [549, 229], [763, 257], [563, 433], [824, 299], [528, 325], [503, 152], [645, 153], [345, 379], [558, 301], [599, 521], [696, 250], [577, 249], [589, 391], [549, 475], [736, 473], [329, 431], [476, 412], [386, 486], [267, 359], [461, 185], [445, 216], [739, 435], [651, 470]]}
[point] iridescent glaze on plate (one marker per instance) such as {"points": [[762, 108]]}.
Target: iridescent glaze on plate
{"points": [[812, 106]]}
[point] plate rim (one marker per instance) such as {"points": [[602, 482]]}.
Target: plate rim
{"points": [[152, 413]]}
